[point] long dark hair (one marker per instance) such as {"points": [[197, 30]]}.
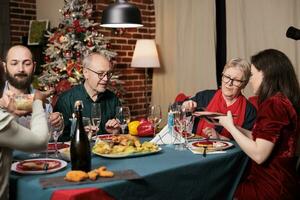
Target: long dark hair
{"points": [[278, 76]]}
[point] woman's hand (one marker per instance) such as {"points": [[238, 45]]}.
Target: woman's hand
{"points": [[112, 126], [211, 133], [226, 121], [189, 105]]}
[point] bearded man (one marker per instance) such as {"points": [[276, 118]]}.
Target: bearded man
{"points": [[19, 68]]}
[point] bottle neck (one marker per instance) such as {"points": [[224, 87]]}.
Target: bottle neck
{"points": [[78, 115]]}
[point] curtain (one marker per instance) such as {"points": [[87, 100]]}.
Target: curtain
{"points": [[5, 30], [185, 36], [260, 24]]}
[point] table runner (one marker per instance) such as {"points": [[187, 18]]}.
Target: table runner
{"points": [[59, 180]]}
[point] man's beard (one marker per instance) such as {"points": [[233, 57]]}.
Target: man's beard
{"points": [[20, 84]]}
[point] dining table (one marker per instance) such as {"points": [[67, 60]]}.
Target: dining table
{"points": [[167, 174]]}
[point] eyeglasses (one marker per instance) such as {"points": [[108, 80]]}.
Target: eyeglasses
{"points": [[234, 82], [101, 75]]}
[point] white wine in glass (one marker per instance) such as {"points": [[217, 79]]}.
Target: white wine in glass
{"points": [[123, 116], [154, 116], [95, 115]]}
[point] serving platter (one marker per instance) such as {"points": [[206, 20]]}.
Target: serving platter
{"points": [[128, 155]]}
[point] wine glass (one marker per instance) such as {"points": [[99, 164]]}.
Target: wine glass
{"points": [[56, 132], [180, 124], [154, 116], [95, 116], [171, 110], [123, 115], [87, 126]]}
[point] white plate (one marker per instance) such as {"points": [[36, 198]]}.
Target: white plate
{"points": [[15, 166], [60, 145], [218, 145], [124, 155]]}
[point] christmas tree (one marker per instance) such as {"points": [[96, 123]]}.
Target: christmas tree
{"points": [[74, 38]]}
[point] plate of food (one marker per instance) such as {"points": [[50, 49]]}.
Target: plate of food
{"points": [[210, 145], [38, 166], [103, 137], [122, 146], [60, 145]]}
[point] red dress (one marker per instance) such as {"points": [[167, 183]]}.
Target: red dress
{"points": [[276, 178]]}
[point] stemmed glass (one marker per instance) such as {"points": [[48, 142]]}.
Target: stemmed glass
{"points": [[95, 116], [123, 115], [180, 124], [56, 132], [154, 116], [87, 126]]}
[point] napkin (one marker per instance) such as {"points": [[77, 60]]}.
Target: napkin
{"points": [[168, 136]]}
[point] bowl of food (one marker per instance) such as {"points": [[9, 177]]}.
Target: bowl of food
{"points": [[23, 101]]}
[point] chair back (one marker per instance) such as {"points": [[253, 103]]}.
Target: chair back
{"points": [[253, 101]]}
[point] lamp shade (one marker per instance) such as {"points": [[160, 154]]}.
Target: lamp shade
{"points": [[121, 15], [145, 54]]}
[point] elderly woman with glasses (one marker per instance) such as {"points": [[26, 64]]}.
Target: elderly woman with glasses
{"points": [[97, 71], [235, 77]]}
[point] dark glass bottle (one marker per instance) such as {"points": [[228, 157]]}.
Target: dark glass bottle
{"points": [[80, 146]]}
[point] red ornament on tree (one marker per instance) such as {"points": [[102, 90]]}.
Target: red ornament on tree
{"points": [[89, 44], [47, 59], [69, 29], [76, 23]]}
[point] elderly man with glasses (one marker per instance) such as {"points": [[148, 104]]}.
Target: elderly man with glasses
{"points": [[235, 77], [97, 71]]}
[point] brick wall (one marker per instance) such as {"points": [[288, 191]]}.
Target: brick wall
{"points": [[22, 11]]}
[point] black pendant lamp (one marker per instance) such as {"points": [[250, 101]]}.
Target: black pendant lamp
{"points": [[121, 14]]}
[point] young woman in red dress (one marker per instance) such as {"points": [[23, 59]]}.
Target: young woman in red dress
{"points": [[271, 145]]}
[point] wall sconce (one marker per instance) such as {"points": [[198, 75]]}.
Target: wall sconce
{"points": [[145, 56], [121, 15]]}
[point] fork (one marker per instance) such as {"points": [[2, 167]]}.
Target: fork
{"points": [[46, 165]]}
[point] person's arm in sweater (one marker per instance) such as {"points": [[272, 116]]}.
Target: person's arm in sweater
{"points": [[15, 136]]}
